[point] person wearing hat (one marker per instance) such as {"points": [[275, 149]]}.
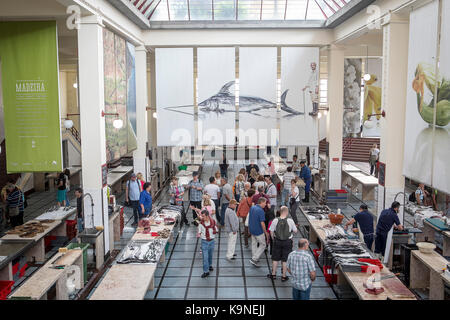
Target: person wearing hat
{"points": [[305, 174], [132, 194], [232, 228], [195, 187]]}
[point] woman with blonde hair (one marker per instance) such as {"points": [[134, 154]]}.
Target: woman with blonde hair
{"points": [[207, 204], [238, 188], [140, 179], [218, 178], [244, 173]]}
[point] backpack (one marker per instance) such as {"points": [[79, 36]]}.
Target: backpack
{"points": [[282, 230], [412, 197]]}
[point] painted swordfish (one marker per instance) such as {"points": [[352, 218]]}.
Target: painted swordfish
{"points": [[224, 101]]}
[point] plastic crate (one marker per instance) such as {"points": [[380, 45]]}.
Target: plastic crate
{"points": [[15, 268], [329, 276], [84, 247], [22, 270], [375, 262], [5, 289], [71, 229], [317, 253]]}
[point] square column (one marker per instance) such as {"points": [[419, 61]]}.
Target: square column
{"points": [[335, 114], [92, 103], [140, 160], [393, 101]]}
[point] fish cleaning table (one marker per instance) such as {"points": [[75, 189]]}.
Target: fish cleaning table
{"points": [[367, 182], [393, 288], [430, 229], [37, 286], [426, 271], [57, 228], [10, 250], [126, 282]]}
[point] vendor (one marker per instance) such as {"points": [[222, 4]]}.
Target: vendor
{"points": [[420, 194], [387, 219], [305, 174], [365, 220]]}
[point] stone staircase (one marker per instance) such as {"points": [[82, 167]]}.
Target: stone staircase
{"points": [[353, 149]]}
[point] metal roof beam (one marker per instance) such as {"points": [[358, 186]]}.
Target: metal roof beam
{"points": [[131, 12], [240, 24], [351, 8]]}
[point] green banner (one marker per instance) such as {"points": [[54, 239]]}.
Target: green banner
{"points": [[29, 68]]}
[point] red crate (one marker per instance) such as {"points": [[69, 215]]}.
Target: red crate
{"points": [[15, 268], [329, 276], [5, 289], [71, 229], [316, 254]]}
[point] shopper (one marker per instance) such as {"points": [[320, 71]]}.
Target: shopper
{"points": [[421, 194], [232, 228], [132, 194], [373, 157], [244, 173], [365, 221], [61, 193], [287, 178], [305, 174], [213, 190], [251, 166], [195, 187], [238, 187], [387, 219], [277, 215], [294, 200], [145, 201], [15, 201], [282, 231], [80, 211], [218, 177], [176, 198], [208, 204], [223, 165], [260, 182], [207, 230], [67, 176], [140, 179], [300, 264], [4, 196], [247, 186], [258, 231], [227, 196], [295, 165], [242, 212]]}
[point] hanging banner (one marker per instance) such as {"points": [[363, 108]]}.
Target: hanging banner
{"points": [[299, 96], [257, 95], [29, 67], [352, 97], [372, 99]]}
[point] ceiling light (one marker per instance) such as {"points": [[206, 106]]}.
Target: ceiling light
{"points": [[118, 123], [68, 124], [155, 115], [319, 115], [75, 85], [366, 77]]}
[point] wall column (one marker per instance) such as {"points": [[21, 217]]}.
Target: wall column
{"points": [[393, 101], [335, 114], [140, 160], [92, 103]]}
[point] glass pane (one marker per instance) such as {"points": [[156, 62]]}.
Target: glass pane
{"points": [[324, 7], [332, 4], [296, 9], [200, 9], [224, 9], [178, 10], [273, 9], [249, 9], [161, 13], [314, 12]]}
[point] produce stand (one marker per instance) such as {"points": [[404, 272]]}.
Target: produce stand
{"points": [[37, 250], [426, 271], [37, 286]]}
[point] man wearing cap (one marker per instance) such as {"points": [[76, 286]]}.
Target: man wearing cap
{"points": [[195, 187], [305, 174], [132, 194]]}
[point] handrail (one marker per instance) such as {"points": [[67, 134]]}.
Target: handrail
{"points": [[75, 133]]}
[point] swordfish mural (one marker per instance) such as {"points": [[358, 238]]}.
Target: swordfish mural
{"points": [[224, 101]]}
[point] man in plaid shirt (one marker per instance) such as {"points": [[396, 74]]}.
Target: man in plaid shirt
{"points": [[300, 264], [195, 187]]}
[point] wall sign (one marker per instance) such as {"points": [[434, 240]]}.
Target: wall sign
{"points": [[29, 63]]}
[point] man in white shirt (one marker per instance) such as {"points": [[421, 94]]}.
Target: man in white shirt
{"points": [[313, 88], [282, 231], [271, 192], [213, 190], [287, 178]]}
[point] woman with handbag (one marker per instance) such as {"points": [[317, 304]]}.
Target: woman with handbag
{"points": [[294, 199], [242, 212], [176, 197]]}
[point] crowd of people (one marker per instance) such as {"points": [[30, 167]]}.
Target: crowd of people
{"points": [[249, 203]]}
